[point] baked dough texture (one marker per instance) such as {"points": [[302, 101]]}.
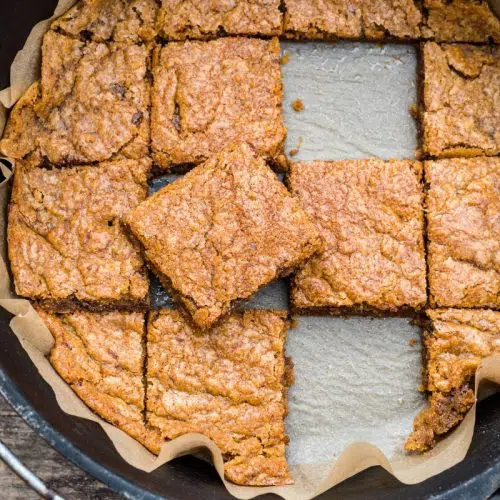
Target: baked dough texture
{"points": [[229, 383], [66, 245], [208, 94], [461, 100], [455, 343], [460, 21], [463, 213], [91, 105], [198, 19], [370, 214], [352, 19], [127, 21], [225, 229], [101, 357]]}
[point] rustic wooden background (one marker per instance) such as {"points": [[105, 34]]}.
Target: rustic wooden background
{"points": [[52, 468]]}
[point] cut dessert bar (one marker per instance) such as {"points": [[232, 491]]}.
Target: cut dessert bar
{"points": [[101, 357], [370, 214], [352, 19], [181, 19], [460, 21], [455, 342], [66, 245], [463, 213], [222, 231], [207, 94], [229, 383], [461, 100], [128, 21], [92, 104]]}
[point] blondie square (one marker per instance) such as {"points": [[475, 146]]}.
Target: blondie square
{"points": [[455, 343], [463, 213], [92, 104], [127, 21], [66, 245], [460, 21], [461, 100], [101, 357], [181, 19], [207, 94], [352, 19], [222, 231], [370, 214], [229, 383]]}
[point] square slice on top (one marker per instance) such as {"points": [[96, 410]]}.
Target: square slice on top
{"points": [[463, 229], [181, 19], [208, 94], [370, 214], [229, 383], [221, 232], [91, 105], [461, 100], [66, 245], [455, 343], [101, 356]]}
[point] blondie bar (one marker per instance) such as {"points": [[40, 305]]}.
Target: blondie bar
{"points": [[225, 229], [370, 214], [455, 343], [229, 383], [66, 245]]}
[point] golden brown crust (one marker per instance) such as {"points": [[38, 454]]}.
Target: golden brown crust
{"points": [[227, 383], [23, 127], [101, 357], [127, 21], [455, 343], [182, 19], [207, 94], [460, 21], [94, 104], [64, 237], [354, 19], [463, 210], [461, 100], [370, 214], [222, 231]]}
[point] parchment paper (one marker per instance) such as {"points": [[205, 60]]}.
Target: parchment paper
{"points": [[356, 390]]}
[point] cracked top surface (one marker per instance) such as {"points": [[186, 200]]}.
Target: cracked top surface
{"points": [[195, 19], [91, 104], [456, 342], [64, 236], [222, 231], [228, 383], [463, 213], [101, 357], [369, 212], [461, 100], [460, 21], [207, 94], [128, 21], [373, 20]]}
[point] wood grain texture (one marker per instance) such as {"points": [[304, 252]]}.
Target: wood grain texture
{"points": [[52, 468]]}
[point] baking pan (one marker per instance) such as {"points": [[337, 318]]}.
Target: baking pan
{"points": [[478, 476]]}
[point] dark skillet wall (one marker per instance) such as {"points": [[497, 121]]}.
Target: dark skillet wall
{"points": [[17, 20]]}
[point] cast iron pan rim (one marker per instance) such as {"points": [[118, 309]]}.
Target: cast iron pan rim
{"points": [[22, 406], [130, 490]]}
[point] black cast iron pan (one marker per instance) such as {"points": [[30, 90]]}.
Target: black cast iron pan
{"points": [[85, 444]]}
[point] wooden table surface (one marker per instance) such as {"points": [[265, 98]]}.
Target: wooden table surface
{"points": [[52, 468]]}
